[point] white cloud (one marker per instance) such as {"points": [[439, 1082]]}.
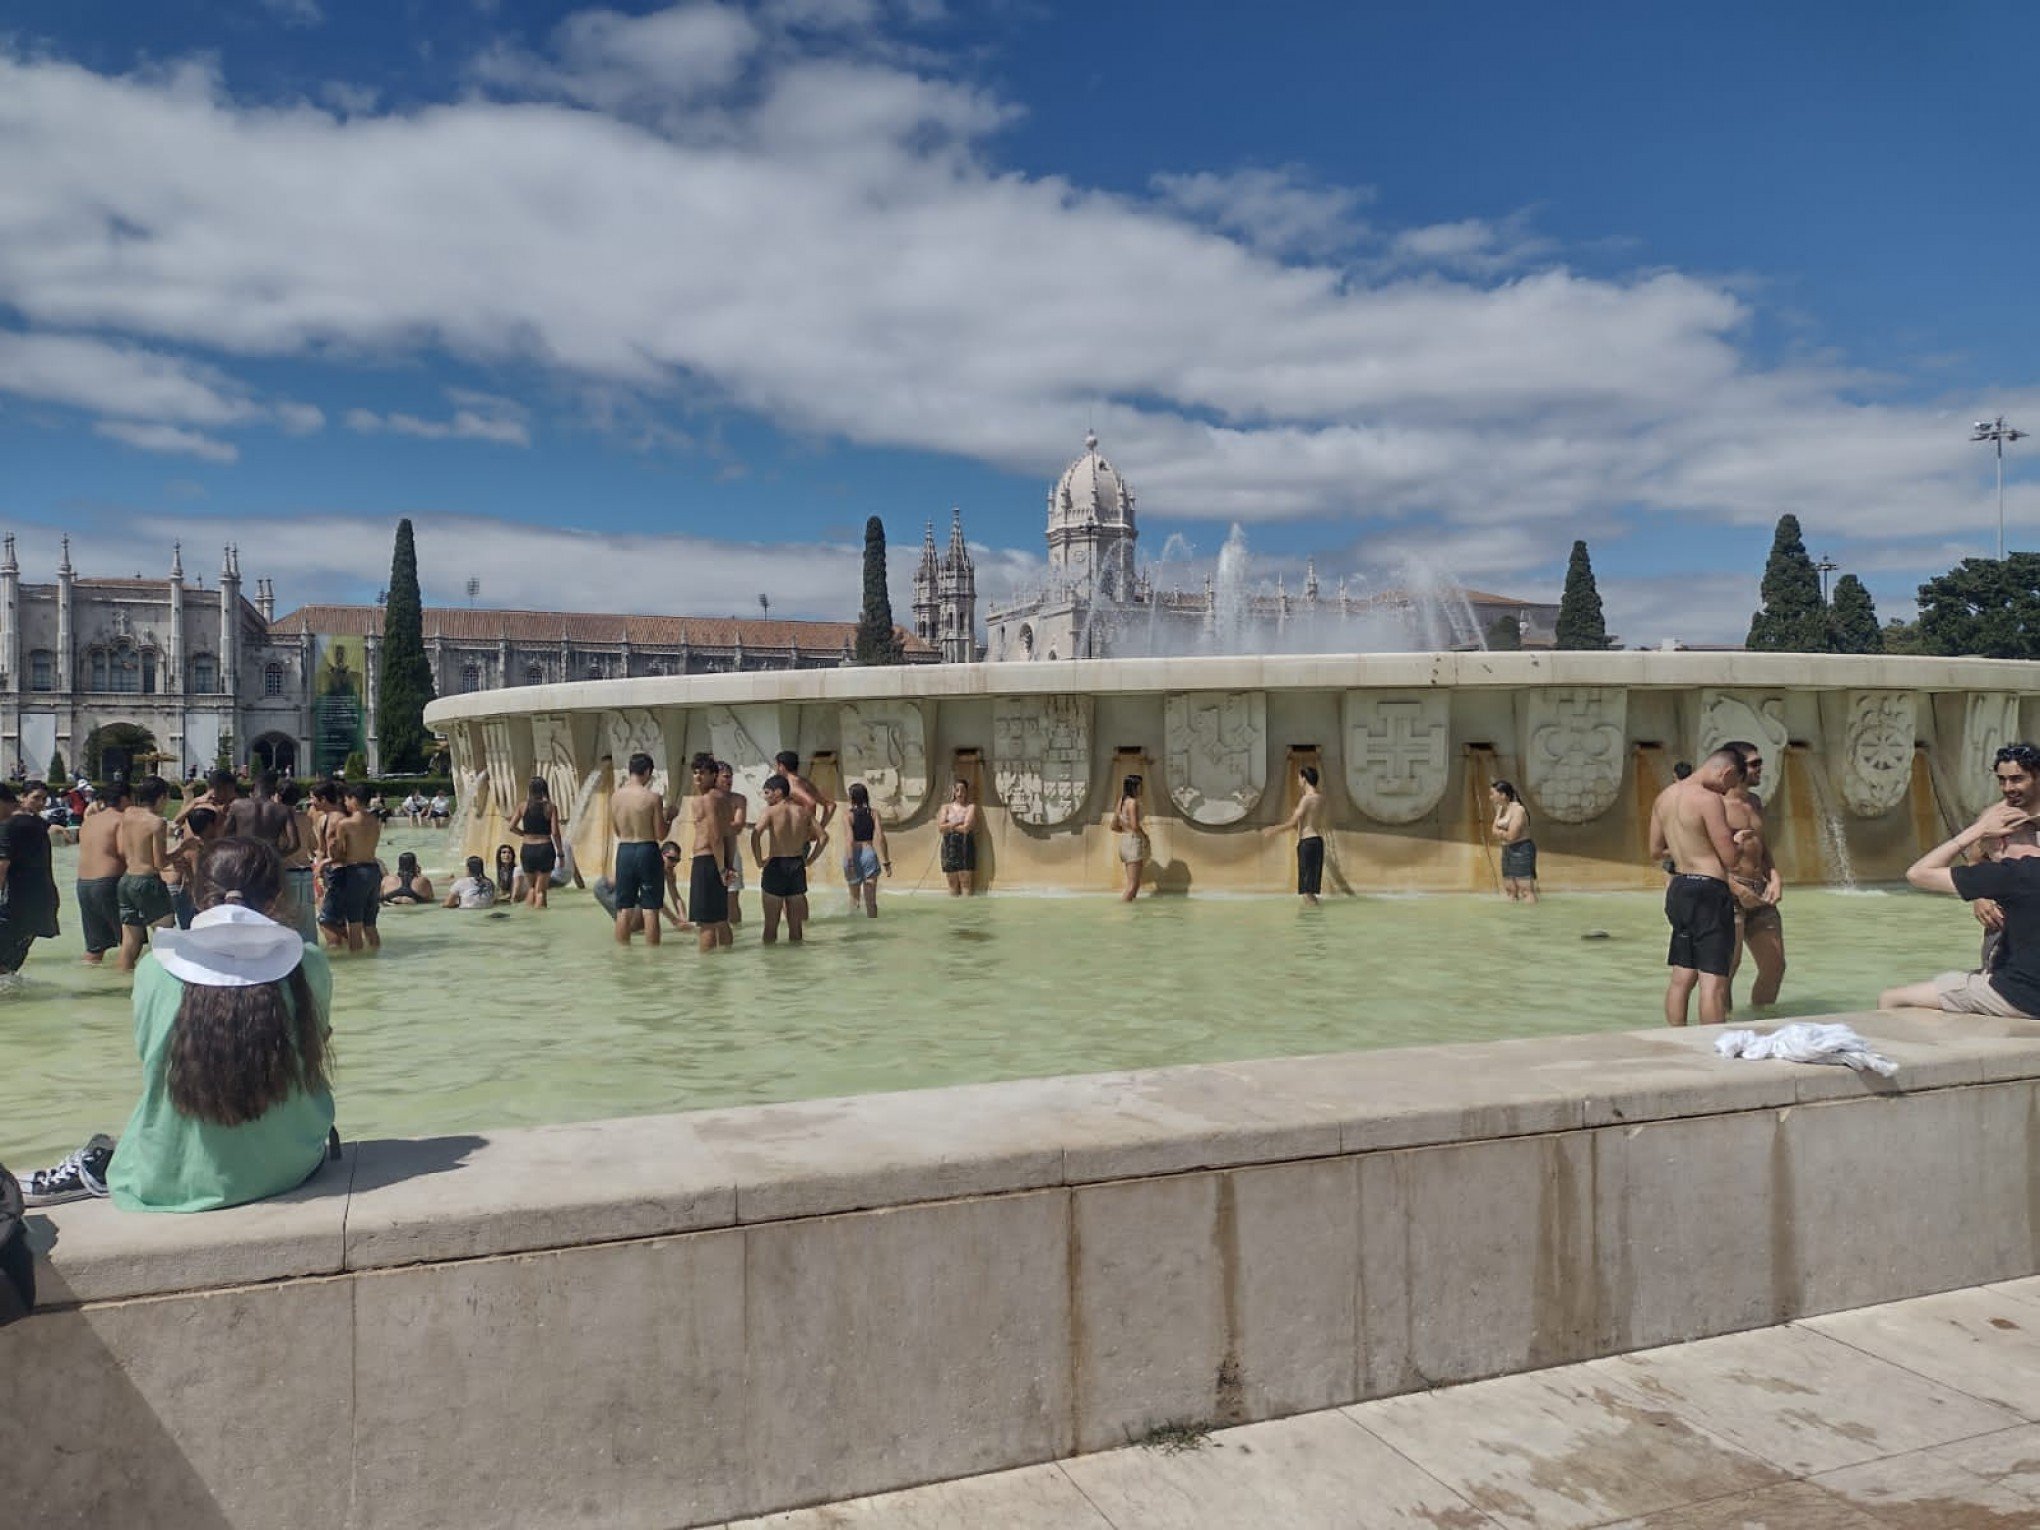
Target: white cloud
{"points": [[476, 417], [93, 374], [295, 13], [167, 438], [694, 204]]}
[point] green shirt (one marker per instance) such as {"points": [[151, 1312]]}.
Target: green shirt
{"points": [[167, 1161]]}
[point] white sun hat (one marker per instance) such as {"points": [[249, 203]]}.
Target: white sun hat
{"points": [[229, 946]]}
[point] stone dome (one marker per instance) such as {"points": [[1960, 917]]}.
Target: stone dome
{"points": [[1090, 492]]}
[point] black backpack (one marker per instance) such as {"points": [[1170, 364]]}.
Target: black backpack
{"points": [[17, 1265]]}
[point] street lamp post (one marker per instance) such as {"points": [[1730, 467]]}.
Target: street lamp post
{"points": [[1825, 567], [1998, 432]]}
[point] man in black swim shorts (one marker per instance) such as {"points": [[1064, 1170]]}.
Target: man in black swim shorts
{"points": [[786, 840], [1689, 823]]}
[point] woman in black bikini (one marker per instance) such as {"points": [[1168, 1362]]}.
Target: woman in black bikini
{"points": [[538, 825], [867, 852], [409, 885]]}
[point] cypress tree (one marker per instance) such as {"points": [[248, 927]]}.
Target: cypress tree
{"points": [[1794, 620], [406, 672], [877, 642], [1855, 626], [1505, 635], [1580, 622]]}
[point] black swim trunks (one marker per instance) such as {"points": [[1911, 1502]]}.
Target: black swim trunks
{"points": [[1310, 865], [1519, 861], [99, 909], [959, 852], [640, 876], [1702, 914], [539, 859], [708, 899], [785, 877], [353, 895]]}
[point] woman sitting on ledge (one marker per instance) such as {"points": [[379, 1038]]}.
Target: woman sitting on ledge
{"points": [[230, 1022]]}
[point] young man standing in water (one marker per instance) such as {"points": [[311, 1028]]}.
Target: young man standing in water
{"points": [[1689, 825], [30, 911], [99, 867], [785, 842], [353, 878], [1308, 822], [708, 888], [1753, 877], [639, 817], [737, 816], [144, 850]]}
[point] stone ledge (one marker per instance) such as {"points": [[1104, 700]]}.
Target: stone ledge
{"points": [[431, 1200]]}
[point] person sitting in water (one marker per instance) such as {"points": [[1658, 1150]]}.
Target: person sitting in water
{"points": [[507, 873], [474, 890], [232, 1024], [413, 809], [2012, 988], [409, 885], [442, 810], [1519, 850]]}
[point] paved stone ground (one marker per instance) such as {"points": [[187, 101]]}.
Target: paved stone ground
{"points": [[1921, 1414]]}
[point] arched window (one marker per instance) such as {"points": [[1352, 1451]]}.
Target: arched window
{"points": [[149, 667], [205, 674], [42, 670], [127, 669], [96, 670], [534, 674], [272, 679], [470, 677]]}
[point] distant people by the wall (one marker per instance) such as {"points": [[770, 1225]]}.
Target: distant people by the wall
{"points": [[538, 833], [441, 810], [1129, 822], [868, 853], [1308, 820], [100, 865], [1511, 828], [414, 807], [408, 885], [180, 870], [347, 914], [640, 819], [145, 847], [1689, 826], [232, 1026], [785, 841], [29, 911], [1754, 879], [736, 809], [475, 890], [2012, 882], [957, 821]]}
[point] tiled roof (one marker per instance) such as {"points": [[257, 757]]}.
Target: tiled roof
{"points": [[459, 623]]}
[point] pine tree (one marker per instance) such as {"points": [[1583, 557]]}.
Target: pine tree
{"points": [[406, 671], [877, 642], [1854, 627], [1984, 608], [1794, 619], [1580, 621], [1505, 635], [56, 766]]}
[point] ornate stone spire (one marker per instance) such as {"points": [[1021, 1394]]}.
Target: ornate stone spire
{"points": [[8, 564], [64, 564], [177, 561]]}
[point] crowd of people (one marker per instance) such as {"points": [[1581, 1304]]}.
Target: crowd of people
{"points": [[226, 913]]}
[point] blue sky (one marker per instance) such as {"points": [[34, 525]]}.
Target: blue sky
{"points": [[648, 307]]}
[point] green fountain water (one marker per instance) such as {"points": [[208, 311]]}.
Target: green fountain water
{"points": [[470, 1021]]}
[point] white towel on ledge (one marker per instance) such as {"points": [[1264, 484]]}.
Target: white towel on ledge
{"points": [[1807, 1041]]}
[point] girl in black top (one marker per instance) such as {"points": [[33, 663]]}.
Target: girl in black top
{"points": [[867, 853], [538, 826]]}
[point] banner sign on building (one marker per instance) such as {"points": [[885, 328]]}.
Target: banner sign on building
{"points": [[339, 702]]}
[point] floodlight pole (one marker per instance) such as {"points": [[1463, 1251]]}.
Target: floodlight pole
{"points": [[1998, 432]]}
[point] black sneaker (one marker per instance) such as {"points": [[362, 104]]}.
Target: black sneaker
{"points": [[80, 1177]]}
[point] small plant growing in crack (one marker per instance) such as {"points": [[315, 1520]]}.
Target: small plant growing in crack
{"points": [[1175, 1437]]}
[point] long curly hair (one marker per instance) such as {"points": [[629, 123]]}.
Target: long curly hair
{"points": [[236, 1052]]}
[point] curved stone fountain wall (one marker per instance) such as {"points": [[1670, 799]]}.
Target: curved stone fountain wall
{"points": [[1868, 760]]}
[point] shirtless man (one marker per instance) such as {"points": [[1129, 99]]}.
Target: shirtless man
{"points": [[144, 850], [709, 875], [222, 792], [100, 865], [302, 900], [804, 791], [639, 816], [353, 877], [1753, 878], [1689, 824], [785, 842], [737, 813], [2012, 880], [263, 818], [2017, 769], [1309, 823]]}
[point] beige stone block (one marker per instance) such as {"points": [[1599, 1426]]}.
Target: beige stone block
{"points": [[220, 1409], [596, 1386], [1991, 1483], [899, 1347], [1980, 1342], [1690, 1233], [1789, 1506], [1291, 1266], [91, 1252], [1894, 1197], [1555, 1450], [1799, 1400], [530, 1188], [1152, 1345], [1320, 1472], [1475, 1260], [1032, 1498], [1170, 1120]]}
